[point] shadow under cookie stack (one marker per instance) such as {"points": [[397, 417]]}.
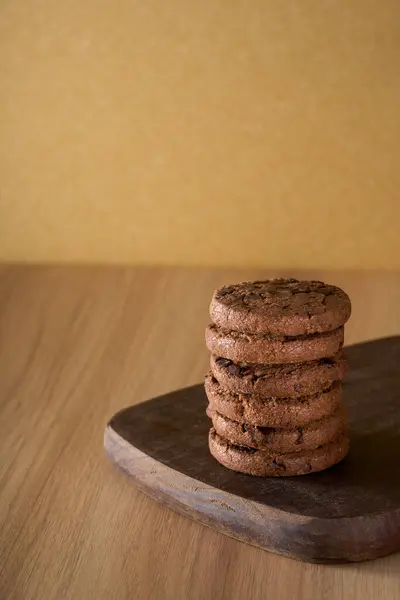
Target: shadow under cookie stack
{"points": [[275, 385]]}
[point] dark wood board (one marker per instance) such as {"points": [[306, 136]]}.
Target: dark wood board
{"points": [[350, 512]]}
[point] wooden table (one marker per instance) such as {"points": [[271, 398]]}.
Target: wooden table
{"points": [[79, 343]]}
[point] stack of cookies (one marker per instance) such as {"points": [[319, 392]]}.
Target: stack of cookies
{"points": [[275, 383]]}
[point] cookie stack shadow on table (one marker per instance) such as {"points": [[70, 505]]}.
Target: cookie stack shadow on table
{"points": [[275, 384]]}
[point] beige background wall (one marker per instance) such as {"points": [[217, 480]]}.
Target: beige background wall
{"points": [[261, 132]]}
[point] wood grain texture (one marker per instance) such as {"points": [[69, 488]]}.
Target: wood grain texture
{"points": [[76, 345], [350, 512]]}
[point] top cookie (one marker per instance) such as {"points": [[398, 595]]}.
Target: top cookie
{"points": [[287, 307]]}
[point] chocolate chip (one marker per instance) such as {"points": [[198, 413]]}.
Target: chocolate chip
{"points": [[249, 450], [233, 369], [250, 297], [278, 465], [266, 430], [244, 427], [268, 433], [245, 372], [297, 387], [329, 363], [224, 291], [300, 436], [307, 468], [223, 362]]}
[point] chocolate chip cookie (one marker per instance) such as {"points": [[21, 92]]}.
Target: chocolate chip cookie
{"points": [[282, 380], [287, 307], [272, 412], [272, 464], [267, 349], [288, 439]]}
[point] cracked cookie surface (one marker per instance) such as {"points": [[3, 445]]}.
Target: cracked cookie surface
{"points": [[288, 307]]}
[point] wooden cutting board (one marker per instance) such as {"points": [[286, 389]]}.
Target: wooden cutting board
{"points": [[350, 512]]}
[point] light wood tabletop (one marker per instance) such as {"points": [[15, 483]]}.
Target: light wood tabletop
{"points": [[76, 345]]}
